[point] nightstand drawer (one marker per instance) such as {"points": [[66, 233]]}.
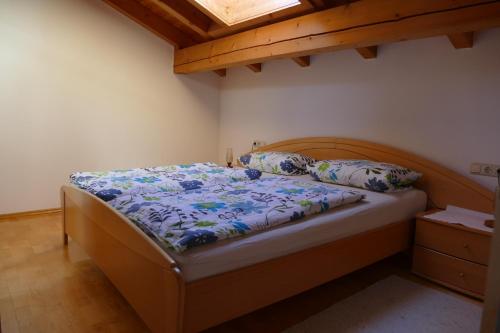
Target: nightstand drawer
{"points": [[453, 241], [456, 273]]}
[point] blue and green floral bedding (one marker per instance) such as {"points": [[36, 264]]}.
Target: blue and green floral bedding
{"points": [[109, 185], [281, 163], [185, 219], [370, 175]]}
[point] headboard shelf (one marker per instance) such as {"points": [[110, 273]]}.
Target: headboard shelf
{"points": [[442, 185]]}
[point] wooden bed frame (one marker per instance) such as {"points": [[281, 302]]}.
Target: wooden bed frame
{"points": [[153, 283]]}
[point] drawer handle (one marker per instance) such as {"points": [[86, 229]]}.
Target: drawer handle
{"points": [[461, 274], [466, 246]]}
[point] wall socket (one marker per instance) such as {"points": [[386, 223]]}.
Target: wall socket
{"points": [[484, 169]]}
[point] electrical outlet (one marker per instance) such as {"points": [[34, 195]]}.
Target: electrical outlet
{"points": [[484, 169]]}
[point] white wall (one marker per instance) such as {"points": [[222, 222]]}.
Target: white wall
{"points": [[84, 88], [421, 96]]}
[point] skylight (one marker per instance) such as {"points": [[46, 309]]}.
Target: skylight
{"points": [[232, 12]]}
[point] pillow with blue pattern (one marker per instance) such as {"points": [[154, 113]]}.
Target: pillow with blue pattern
{"points": [[288, 164], [373, 176], [240, 174]]}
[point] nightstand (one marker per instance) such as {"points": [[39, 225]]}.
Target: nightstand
{"points": [[452, 255]]}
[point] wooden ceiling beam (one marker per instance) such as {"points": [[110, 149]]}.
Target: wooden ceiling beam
{"points": [[183, 14], [322, 4], [152, 22], [218, 30], [369, 52], [221, 72], [304, 61], [256, 68], [462, 40], [318, 4], [361, 24]]}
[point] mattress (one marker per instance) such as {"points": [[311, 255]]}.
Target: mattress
{"points": [[376, 210]]}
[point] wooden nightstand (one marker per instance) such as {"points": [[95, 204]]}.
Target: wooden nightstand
{"points": [[452, 255]]}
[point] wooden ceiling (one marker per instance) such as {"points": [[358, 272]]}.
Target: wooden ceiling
{"points": [[183, 23], [231, 12], [204, 43]]}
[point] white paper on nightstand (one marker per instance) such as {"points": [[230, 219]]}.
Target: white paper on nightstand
{"points": [[465, 217]]}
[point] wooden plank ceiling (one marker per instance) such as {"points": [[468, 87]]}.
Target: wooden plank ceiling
{"points": [[204, 43], [183, 23]]}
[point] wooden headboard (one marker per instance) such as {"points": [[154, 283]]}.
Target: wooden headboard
{"points": [[442, 185]]}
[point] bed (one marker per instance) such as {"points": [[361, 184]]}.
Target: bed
{"points": [[376, 210], [202, 288]]}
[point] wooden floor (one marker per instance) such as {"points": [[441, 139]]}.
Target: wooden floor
{"points": [[45, 287]]}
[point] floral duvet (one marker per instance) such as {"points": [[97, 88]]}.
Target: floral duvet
{"points": [[108, 185], [185, 219]]}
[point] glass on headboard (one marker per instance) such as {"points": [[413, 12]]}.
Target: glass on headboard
{"points": [[229, 157]]}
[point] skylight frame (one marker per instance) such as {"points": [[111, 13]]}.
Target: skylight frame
{"points": [[261, 8]]}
